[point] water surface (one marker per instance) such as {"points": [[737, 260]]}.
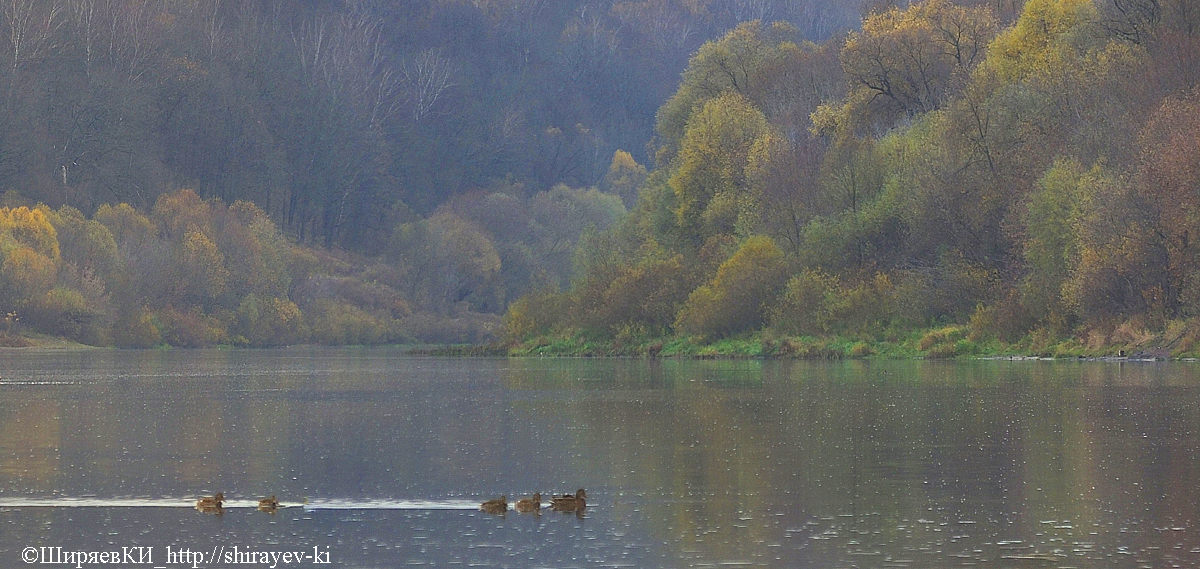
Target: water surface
{"points": [[381, 459]]}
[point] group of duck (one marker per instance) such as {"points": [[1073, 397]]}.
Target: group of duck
{"points": [[563, 503], [215, 504]]}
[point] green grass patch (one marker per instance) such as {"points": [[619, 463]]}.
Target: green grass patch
{"points": [[942, 342]]}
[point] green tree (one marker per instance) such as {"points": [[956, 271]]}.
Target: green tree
{"points": [[1051, 240], [709, 174], [86, 243], [256, 254], [81, 305], [802, 308], [141, 265], [783, 180], [737, 64], [448, 260], [1120, 271], [559, 217]]}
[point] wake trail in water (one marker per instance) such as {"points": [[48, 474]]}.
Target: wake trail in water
{"points": [[308, 505]]}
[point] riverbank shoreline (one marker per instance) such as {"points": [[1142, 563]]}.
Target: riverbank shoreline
{"points": [[946, 343]]}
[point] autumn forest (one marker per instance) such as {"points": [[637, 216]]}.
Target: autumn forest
{"points": [[812, 178]]}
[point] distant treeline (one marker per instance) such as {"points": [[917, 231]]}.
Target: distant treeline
{"points": [[342, 118], [261, 172], [1030, 179], [431, 150], [196, 272]]}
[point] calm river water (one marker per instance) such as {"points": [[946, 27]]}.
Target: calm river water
{"points": [[381, 460]]}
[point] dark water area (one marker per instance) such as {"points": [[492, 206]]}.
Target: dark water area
{"points": [[381, 460]]}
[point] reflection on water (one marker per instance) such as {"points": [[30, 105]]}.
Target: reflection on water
{"points": [[384, 459]]}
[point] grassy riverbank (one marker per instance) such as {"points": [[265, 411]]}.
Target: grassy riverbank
{"points": [[42, 341], [948, 342], [1179, 341]]}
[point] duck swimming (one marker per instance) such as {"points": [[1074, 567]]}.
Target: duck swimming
{"points": [[211, 504], [268, 505], [569, 503], [497, 506], [530, 504]]}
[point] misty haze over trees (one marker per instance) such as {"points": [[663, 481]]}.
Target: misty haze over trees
{"points": [[267, 172], [341, 117], [390, 133]]}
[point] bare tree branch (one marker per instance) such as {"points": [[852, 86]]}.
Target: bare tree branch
{"points": [[425, 78]]}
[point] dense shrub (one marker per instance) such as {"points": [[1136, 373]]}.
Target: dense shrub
{"points": [[137, 329], [270, 321], [802, 309], [738, 297], [60, 309], [646, 294], [534, 315], [340, 324], [461, 327], [191, 328]]}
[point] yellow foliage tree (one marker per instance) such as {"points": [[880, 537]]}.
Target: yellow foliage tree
{"points": [[29, 255], [644, 295], [738, 63], [31, 228], [26, 273], [1044, 39], [203, 268], [1054, 79], [738, 298], [180, 213], [269, 321], [624, 177], [907, 61], [709, 175], [86, 243], [129, 228]]}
